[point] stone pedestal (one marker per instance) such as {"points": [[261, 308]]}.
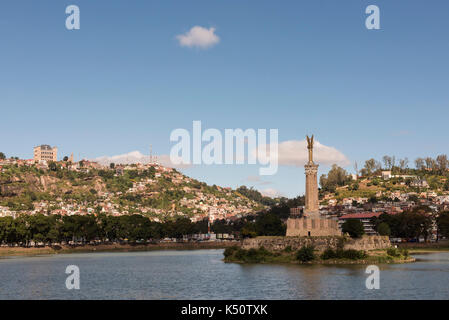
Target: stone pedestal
{"points": [[312, 227]]}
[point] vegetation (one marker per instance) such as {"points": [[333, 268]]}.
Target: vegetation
{"points": [[21, 187], [248, 256], [443, 224], [353, 227], [383, 229], [306, 254], [55, 229], [336, 177], [255, 195], [411, 224], [343, 254]]}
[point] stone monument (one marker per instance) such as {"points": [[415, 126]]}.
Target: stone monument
{"points": [[310, 222]]}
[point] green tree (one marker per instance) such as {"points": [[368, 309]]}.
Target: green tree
{"points": [[53, 166], [336, 177], [383, 229], [2, 156], [354, 227], [249, 230], [306, 254], [371, 166], [443, 224], [269, 224]]}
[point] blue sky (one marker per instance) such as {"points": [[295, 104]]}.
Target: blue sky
{"points": [[123, 81]]}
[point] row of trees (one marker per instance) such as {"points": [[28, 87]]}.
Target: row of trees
{"points": [[55, 229], [81, 229], [440, 164], [412, 224]]}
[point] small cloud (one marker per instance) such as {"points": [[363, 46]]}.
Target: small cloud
{"points": [[138, 157], [253, 178], [198, 37], [257, 180], [402, 133], [270, 192]]}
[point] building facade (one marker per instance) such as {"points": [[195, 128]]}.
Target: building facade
{"points": [[365, 218], [45, 153]]}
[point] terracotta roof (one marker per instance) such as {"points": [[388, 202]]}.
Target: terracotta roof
{"points": [[361, 215]]}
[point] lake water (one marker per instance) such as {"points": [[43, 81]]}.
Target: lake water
{"points": [[201, 274]]}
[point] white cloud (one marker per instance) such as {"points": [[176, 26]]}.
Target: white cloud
{"points": [[198, 37], [253, 178], [137, 157], [257, 180], [295, 153], [270, 192]]}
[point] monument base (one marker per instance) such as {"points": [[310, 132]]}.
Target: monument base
{"points": [[312, 225]]}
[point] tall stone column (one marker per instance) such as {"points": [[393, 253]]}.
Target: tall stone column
{"points": [[312, 202]]}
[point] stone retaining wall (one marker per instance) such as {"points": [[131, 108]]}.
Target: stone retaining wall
{"points": [[320, 243]]}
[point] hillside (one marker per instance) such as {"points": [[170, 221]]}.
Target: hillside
{"points": [[151, 190], [384, 185]]}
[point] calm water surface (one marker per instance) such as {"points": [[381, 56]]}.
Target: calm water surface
{"points": [[200, 274]]}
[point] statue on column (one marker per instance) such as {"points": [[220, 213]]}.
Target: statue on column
{"points": [[310, 147]]}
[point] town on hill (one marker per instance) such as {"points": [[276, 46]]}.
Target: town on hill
{"points": [[408, 204]]}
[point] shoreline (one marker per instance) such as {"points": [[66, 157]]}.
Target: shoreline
{"points": [[310, 256], [6, 252]]}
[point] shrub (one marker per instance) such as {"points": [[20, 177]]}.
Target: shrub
{"points": [[230, 251], [343, 254], [404, 252], [251, 255], [354, 254], [306, 253], [240, 254], [288, 249], [328, 254], [393, 252]]}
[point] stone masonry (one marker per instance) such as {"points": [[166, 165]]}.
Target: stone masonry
{"points": [[366, 243]]}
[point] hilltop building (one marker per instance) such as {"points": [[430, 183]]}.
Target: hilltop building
{"points": [[45, 153]]}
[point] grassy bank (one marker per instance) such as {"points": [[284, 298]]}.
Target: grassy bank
{"points": [[442, 246], [307, 255], [32, 251]]}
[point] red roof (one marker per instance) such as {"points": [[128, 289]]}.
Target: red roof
{"points": [[362, 215]]}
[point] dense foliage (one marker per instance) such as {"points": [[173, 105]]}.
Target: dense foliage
{"points": [[306, 254], [443, 224], [411, 224], [353, 227], [350, 254], [83, 229]]}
